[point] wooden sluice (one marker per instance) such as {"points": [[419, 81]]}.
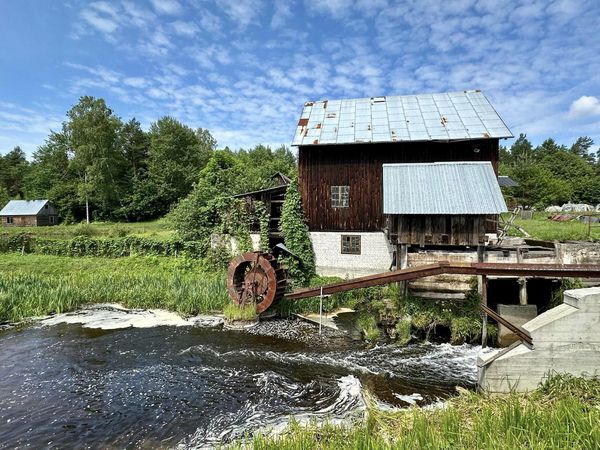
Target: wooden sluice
{"points": [[263, 282]]}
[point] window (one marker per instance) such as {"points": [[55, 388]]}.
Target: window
{"points": [[9, 219], [350, 244], [340, 196], [51, 219]]}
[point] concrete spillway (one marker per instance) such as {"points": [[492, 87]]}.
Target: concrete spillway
{"points": [[566, 339]]}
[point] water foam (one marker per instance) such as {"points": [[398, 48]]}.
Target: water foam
{"points": [[112, 316]]}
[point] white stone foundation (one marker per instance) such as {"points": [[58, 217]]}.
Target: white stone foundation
{"points": [[375, 257]]}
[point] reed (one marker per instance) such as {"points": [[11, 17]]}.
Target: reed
{"points": [[233, 312], [562, 413], [49, 285]]}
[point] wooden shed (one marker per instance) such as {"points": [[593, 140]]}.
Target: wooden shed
{"points": [[440, 203], [28, 213]]}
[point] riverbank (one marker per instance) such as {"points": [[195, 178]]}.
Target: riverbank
{"points": [[563, 413], [39, 285]]}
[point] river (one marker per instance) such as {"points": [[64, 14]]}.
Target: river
{"points": [[68, 385]]}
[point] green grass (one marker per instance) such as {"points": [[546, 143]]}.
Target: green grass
{"points": [[157, 229], [35, 285], [541, 227], [563, 413], [233, 312]]}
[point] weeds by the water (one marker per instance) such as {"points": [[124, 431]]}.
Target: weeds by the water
{"points": [[46, 285], [562, 413], [246, 312]]}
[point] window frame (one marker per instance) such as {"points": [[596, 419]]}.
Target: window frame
{"points": [[339, 196], [9, 220], [354, 248]]}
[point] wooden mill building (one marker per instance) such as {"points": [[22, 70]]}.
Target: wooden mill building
{"points": [[409, 170], [28, 213]]}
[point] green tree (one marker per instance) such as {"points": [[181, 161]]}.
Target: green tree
{"points": [[92, 132], [176, 157], [297, 237], [196, 216], [14, 168]]}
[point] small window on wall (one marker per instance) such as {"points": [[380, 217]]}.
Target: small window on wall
{"points": [[9, 220], [51, 218], [340, 196], [350, 245]]}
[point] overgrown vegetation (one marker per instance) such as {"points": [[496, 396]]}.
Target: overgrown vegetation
{"points": [[245, 312], [563, 413], [297, 238], [34, 285]]}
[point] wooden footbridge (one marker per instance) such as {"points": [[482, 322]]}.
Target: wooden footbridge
{"points": [[257, 277]]}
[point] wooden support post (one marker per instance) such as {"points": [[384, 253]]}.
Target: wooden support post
{"points": [[522, 280], [484, 316], [402, 256], [482, 291]]}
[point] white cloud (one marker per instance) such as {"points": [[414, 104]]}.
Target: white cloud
{"points": [[185, 28], [282, 13], [137, 82], [585, 106], [171, 7], [243, 12], [101, 23]]}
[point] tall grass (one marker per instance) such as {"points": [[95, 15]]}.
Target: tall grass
{"points": [[562, 414], [143, 284]]}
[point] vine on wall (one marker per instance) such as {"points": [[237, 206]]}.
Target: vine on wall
{"points": [[296, 237]]}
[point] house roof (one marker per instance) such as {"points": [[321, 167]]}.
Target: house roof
{"points": [[441, 188], [505, 181], [448, 116], [23, 207]]}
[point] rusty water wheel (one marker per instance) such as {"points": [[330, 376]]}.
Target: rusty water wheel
{"points": [[255, 277]]}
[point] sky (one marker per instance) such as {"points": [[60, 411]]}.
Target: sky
{"points": [[244, 68]]}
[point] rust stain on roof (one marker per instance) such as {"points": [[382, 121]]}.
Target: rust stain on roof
{"points": [[325, 104], [318, 126], [316, 141], [486, 135], [302, 122], [309, 103]]}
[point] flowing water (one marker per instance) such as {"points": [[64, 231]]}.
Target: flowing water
{"points": [[67, 385]]}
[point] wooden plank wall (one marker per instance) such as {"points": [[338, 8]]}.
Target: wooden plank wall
{"points": [[360, 167], [438, 230]]}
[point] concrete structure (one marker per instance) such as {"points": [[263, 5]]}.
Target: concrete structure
{"points": [[565, 340], [517, 315]]}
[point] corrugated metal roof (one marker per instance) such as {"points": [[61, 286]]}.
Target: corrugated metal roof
{"points": [[505, 181], [441, 188], [424, 117], [23, 207]]}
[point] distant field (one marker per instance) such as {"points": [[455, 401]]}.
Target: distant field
{"points": [[157, 229], [540, 227]]}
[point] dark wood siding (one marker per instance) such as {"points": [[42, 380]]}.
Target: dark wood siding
{"points": [[360, 167], [437, 230]]}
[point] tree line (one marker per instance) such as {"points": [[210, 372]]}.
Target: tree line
{"points": [[126, 173], [552, 174]]}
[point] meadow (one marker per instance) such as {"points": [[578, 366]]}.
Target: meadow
{"points": [[541, 227]]}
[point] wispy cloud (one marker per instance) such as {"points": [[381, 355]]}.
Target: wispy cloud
{"points": [[170, 7]]}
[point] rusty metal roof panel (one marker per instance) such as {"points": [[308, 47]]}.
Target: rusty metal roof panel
{"points": [[441, 188], [426, 117]]}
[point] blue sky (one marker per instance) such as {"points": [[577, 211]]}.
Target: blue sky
{"points": [[244, 68]]}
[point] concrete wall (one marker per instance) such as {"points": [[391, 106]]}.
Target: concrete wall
{"points": [[565, 339], [376, 254]]}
